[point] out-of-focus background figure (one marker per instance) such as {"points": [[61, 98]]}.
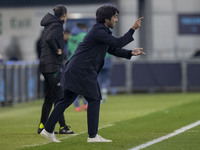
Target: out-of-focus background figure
{"points": [[196, 54], [13, 51], [104, 77], [38, 45], [40, 76], [78, 32], [67, 33]]}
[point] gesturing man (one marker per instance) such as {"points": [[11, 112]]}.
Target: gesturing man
{"points": [[81, 71]]}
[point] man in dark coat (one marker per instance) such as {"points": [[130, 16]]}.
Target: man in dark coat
{"points": [[81, 71], [51, 58]]}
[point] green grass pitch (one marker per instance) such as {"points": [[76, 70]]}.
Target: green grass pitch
{"points": [[128, 120]]}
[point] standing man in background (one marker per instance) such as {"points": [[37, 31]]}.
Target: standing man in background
{"points": [[51, 59]]}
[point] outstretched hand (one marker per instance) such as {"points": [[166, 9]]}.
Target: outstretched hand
{"points": [[137, 23], [137, 51]]}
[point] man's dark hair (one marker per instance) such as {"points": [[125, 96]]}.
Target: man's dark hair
{"points": [[59, 10], [105, 12], [81, 25], [67, 31]]}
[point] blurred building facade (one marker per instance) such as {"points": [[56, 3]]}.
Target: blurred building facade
{"points": [[159, 35]]}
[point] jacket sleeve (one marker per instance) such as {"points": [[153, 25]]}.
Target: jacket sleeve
{"points": [[53, 39], [123, 53], [103, 36]]}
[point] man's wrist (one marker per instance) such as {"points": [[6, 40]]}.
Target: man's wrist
{"points": [[134, 28], [131, 30]]}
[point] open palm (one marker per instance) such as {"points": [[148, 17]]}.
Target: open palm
{"points": [[137, 51]]}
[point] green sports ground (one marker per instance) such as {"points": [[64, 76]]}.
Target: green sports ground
{"points": [[128, 120]]}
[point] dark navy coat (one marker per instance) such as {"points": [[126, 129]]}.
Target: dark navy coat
{"points": [[81, 71]]}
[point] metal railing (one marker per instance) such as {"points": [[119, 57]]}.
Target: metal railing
{"points": [[20, 80]]}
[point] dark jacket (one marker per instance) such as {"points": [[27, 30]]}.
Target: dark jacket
{"points": [[51, 41], [81, 71]]}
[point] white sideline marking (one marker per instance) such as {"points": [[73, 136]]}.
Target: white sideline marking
{"points": [[69, 136], [181, 130]]}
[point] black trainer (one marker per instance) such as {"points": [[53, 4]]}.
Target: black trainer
{"points": [[65, 130], [39, 130]]}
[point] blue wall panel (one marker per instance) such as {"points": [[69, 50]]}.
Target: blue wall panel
{"points": [[147, 75], [193, 75], [118, 75]]}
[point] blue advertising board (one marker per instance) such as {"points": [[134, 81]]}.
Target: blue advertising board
{"points": [[189, 24]]}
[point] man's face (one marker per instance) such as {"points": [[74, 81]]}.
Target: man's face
{"points": [[64, 17], [111, 23], [66, 36]]}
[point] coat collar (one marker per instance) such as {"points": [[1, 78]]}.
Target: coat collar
{"points": [[102, 25]]}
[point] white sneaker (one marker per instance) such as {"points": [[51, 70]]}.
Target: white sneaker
{"points": [[97, 138], [50, 136]]}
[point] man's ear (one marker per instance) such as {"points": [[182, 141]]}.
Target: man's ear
{"points": [[106, 20], [63, 15]]}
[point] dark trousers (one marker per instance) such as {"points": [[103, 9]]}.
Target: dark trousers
{"points": [[69, 97], [53, 93]]}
